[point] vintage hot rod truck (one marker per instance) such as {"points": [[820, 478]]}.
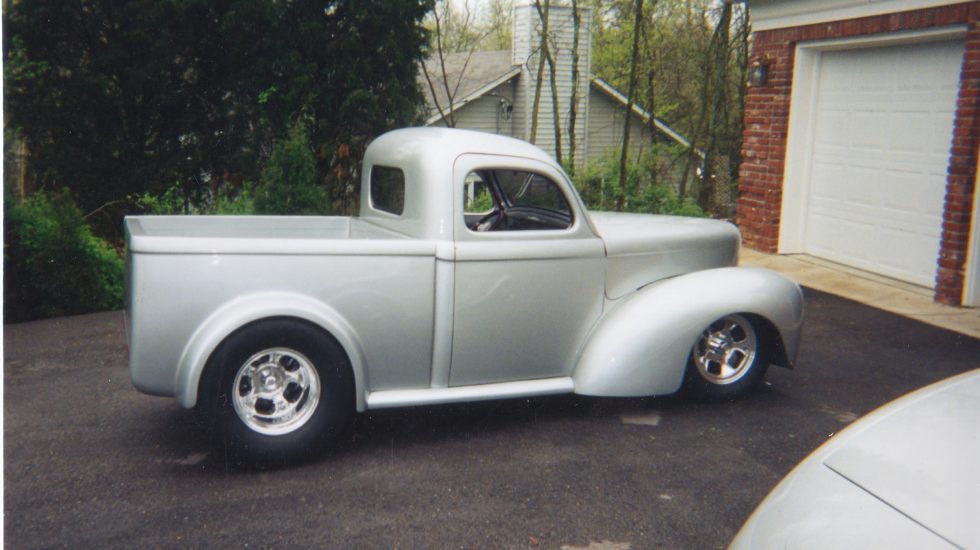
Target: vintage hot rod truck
{"points": [[472, 272]]}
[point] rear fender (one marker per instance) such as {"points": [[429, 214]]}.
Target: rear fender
{"points": [[641, 346], [255, 307]]}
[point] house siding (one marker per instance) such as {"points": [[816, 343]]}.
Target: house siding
{"points": [[560, 25], [484, 113], [766, 118], [605, 136]]}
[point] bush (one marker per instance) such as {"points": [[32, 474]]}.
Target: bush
{"points": [[598, 184], [288, 183], [175, 201], [53, 264]]}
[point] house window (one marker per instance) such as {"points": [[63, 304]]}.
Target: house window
{"points": [[514, 200], [388, 189]]}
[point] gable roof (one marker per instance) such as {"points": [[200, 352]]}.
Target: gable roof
{"points": [[644, 115], [470, 75]]}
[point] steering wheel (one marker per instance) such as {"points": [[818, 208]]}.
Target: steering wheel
{"points": [[487, 222]]}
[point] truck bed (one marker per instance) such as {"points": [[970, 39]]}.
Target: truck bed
{"points": [[233, 267], [267, 235]]}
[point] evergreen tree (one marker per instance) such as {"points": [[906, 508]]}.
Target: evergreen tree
{"points": [[120, 98]]}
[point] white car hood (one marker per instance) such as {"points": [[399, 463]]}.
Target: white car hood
{"points": [[923, 459], [643, 248]]}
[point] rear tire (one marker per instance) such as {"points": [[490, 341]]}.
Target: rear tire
{"points": [[278, 390], [728, 360]]}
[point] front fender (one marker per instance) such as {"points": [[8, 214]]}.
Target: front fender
{"points": [[641, 346], [254, 307]]}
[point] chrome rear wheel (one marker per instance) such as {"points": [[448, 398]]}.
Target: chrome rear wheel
{"points": [[276, 391], [279, 390]]}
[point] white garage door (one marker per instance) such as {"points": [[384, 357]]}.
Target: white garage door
{"points": [[882, 131]]}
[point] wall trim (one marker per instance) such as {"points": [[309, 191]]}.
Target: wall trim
{"points": [[771, 15], [971, 287]]}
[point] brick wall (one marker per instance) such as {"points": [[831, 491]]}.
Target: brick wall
{"points": [[767, 114], [961, 183]]}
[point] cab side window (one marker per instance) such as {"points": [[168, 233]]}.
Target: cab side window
{"points": [[514, 200]]}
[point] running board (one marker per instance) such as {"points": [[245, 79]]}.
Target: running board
{"points": [[459, 394]]}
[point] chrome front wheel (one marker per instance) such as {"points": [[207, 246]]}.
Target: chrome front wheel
{"points": [[729, 358], [726, 350]]}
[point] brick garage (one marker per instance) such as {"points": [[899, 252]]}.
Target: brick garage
{"points": [[778, 162]]}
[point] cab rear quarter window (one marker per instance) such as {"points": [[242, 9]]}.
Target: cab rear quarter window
{"points": [[388, 189]]}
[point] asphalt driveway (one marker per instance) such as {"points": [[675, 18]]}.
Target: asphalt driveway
{"points": [[89, 462]]}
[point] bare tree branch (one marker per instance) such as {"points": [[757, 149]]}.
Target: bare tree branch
{"points": [[451, 121], [463, 38], [432, 90], [637, 28], [552, 79], [573, 102], [543, 14]]}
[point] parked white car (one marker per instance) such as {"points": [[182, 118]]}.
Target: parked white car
{"points": [[473, 272], [905, 476]]}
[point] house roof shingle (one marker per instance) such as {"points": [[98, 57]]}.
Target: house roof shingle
{"points": [[467, 73]]}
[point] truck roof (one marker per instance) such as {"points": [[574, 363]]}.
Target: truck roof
{"points": [[443, 145]]}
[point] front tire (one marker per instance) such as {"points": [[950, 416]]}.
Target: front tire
{"points": [[729, 359], [279, 390]]}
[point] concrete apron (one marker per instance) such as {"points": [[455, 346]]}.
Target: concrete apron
{"points": [[907, 300]]}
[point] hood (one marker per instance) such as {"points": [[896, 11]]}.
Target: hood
{"points": [[921, 456], [643, 248]]}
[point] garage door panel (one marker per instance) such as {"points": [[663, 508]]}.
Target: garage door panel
{"points": [[841, 241], [898, 252], [895, 249], [880, 140], [918, 196], [866, 132], [906, 130], [868, 193], [829, 186]]}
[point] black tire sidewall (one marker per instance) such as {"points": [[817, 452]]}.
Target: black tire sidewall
{"points": [[333, 410]]}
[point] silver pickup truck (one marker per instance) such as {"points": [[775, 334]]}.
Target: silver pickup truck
{"points": [[472, 272]]}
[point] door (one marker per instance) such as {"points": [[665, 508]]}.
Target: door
{"points": [[881, 136], [529, 272]]}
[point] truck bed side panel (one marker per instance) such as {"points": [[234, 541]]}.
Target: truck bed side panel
{"points": [[388, 300]]}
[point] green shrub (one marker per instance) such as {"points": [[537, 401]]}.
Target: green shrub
{"points": [[482, 201], [175, 201], [172, 201], [53, 264], [288, 183], [238, 204], [598, 184]]}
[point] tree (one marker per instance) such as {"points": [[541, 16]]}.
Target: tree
{"points": [[714, 108], [453, 31], [538, 80], [573, 101], [288, 184], [115, 99], [693, 54], [498, 18], [630, 96], [549, 50]]}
